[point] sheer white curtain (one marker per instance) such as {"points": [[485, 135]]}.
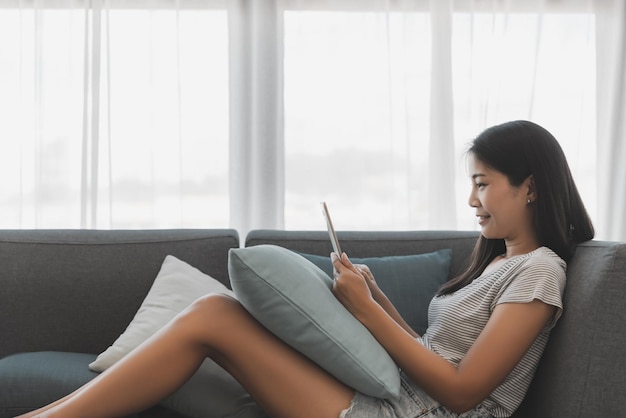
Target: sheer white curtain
{"points": [[256, 115], [382, 98], [114, 114], [246, 114], [611, 44]]}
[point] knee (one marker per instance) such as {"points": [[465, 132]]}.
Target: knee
{"points": [[212, 321], [210, 312], [211, 306]]}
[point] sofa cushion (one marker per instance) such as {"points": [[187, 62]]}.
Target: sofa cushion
{"points": [[409, 281], [292, 297], [213, 393], [31, 380]]}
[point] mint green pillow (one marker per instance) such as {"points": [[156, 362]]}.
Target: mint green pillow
{"points": [[409, 281], [292, 297]]}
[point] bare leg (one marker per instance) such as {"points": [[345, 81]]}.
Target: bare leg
{"points": [[284, 383]]}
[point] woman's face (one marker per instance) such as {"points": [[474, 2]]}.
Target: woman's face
{"points": [[503, 210]]}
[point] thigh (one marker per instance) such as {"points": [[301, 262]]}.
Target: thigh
{"points": [[412, 402], [283, 381]]}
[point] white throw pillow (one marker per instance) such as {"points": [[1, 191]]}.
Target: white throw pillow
{"points": [[176, 286]]}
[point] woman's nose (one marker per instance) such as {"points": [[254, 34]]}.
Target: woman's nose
{"points": [[473, 201]]}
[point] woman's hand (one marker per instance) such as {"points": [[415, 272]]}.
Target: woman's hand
{"points": [[348, 278], [362, 269], [352, 285]]}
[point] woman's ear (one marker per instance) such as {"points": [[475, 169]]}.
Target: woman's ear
{"points": [[531, 194]]}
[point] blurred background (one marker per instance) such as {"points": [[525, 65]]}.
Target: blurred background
{"points": [[247, 113]]}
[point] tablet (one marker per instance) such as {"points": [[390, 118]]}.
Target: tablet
{"points": [[331, 231]]}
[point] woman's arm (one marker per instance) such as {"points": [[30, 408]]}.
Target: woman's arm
{"points": [[511, 330]]}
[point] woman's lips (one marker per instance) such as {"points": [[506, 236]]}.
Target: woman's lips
{"points": [[482, 219]]}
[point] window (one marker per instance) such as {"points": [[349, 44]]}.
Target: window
{"points": [[116, 118], [358, 116], [119, 114]]}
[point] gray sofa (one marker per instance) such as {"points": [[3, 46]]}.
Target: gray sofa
{"points": [[66, 295]]}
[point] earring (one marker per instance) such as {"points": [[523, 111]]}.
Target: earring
{"points": [[528, 202]]}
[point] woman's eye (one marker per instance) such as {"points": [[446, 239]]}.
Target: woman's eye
{"points": [[480, 185]]}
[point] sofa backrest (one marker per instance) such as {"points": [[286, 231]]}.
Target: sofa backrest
{"points": [[77, 290], [581, 373]]}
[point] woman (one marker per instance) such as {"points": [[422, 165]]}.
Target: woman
{"points": [[487, 327]]}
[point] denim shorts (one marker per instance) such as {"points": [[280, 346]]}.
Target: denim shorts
{"points": [[411, 403]]}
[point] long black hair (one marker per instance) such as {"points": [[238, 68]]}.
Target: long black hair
{"points": [[520, 149]]}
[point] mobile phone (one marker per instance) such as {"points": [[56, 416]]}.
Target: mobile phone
{"points": [[331, 231]]}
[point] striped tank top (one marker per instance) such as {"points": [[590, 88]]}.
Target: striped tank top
{"points": [[456, 320]]}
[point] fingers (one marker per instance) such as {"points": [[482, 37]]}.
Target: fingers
{"points": [[342, 262], [365, 272], [334, 259]]}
